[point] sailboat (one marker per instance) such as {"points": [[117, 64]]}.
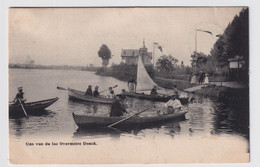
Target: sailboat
{"points": [[145, 84]]}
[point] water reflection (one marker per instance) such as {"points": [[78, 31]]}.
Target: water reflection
{"points": [[204, 115]]}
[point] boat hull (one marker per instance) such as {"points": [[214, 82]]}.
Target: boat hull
{"points": [[30, 108], [79, 95], [86, 121], [159, 98]]}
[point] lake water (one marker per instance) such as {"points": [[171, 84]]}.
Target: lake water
{"points": [[204, 118]]}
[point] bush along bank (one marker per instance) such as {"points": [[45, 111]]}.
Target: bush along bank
{"points": [[235, 96]]}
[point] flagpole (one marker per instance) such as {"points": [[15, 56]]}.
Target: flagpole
{"points": [[153, 55]]}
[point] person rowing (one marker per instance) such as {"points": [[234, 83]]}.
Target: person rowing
{"points": [[95, 92], [19, 95], [89, 91], [117, 108]]}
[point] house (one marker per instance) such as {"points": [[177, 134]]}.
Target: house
{"points": [[130, 56]]}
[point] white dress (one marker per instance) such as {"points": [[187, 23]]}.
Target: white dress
{"points": [[193, 79], [206, 81]]}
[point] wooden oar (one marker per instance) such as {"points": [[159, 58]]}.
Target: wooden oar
{"points": [[127, 118], [23, 108], [61, 88], [107, 89]]}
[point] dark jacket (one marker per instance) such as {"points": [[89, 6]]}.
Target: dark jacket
{"points": [[95, 93], [89, 92], [116, 109], [154, 92]]}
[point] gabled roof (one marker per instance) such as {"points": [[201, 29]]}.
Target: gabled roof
{"points": [[129, 52], [132, 53]]}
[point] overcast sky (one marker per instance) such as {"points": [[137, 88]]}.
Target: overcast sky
{"points": [[73, 36]]}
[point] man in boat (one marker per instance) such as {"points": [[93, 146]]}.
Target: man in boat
{"points": [[117, 109], [89, 91], [111, 93], [154, 91], [172, 106], [175, 91], [131, 84], [122, 95], [19, 95], [95, 92]]}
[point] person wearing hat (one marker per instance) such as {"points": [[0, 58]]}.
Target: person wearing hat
{"points": [[131, 84], [89, 91], [96, 93], [154, 91], [19, 95], [117, 109], [111, 93], [172, 106], [175, 91]]}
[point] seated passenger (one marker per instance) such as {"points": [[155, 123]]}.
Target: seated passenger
{"points": [[89, 91], [173, 105], [117, 109], [111, 93], [19, 95], [154, 91], [96, 93]]}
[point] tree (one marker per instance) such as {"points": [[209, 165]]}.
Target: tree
{"points": [[166, 63], [105, 54], [234, 41]]}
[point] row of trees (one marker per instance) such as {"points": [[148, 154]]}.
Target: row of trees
{"points": [[234, 41]]}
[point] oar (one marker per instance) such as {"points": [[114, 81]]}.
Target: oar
{"points": [[61, 88], [107, 89], [23, 108], [127, 118]]}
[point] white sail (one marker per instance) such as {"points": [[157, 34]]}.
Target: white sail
{"points": [[144, 81]]}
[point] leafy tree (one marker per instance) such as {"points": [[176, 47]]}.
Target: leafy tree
{"points": [[166, 63], [105, 54], [234, 41]]}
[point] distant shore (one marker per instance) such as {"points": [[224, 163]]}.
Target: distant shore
{"points": [[53, 67]]}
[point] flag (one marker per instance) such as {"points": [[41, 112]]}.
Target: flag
{"points": [[159, 47], [204, 31], [218, 35]]}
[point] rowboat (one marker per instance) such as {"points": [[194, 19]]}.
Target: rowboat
{"points": [[90, 121], [80, 95], [30, 108], [159, 98]]}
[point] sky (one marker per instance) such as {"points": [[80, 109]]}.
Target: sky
{"points": [[73, 36]]}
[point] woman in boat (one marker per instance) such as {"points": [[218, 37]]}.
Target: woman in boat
{"points": [[89, 91], [154, 91], [95, 92], [117, 109], [19, 95], [131, 84], [111, 93]]}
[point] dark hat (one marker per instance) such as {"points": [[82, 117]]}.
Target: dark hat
{"points": [[20, 88], [96, 87]]}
